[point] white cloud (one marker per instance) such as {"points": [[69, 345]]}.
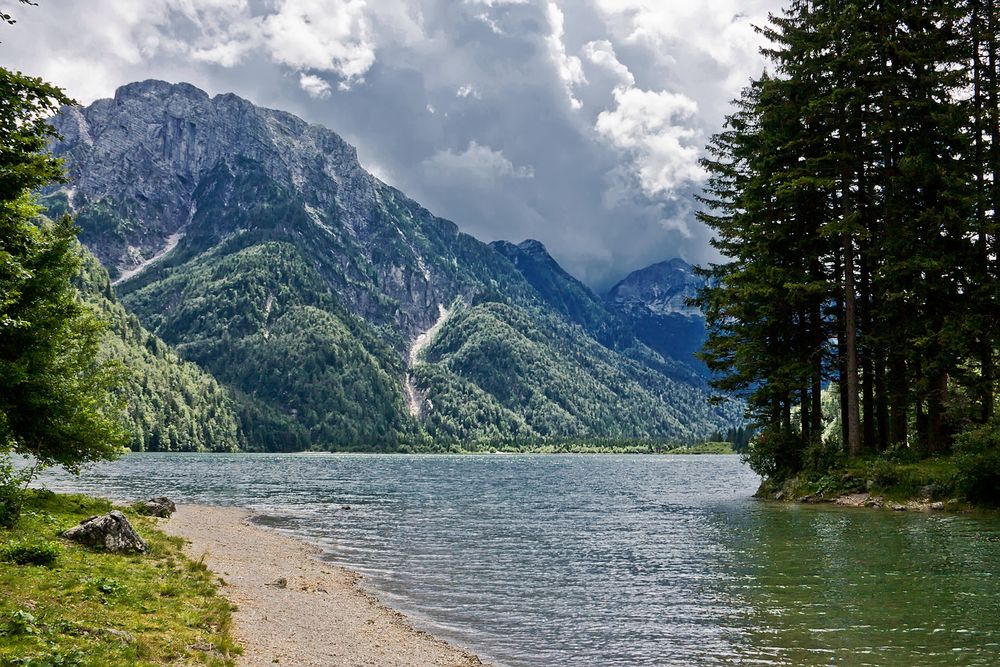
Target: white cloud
{"points": [[681, 33], [314, 86], [115, 35], [652, 128], [476, 165], [322, 36], [496, 3], [490, 22], [227, 54], [468, 90], [569, 67], [602, 53]]}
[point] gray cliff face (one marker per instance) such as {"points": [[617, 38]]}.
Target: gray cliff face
{"points": [[659, 289], [655, 301], [162, 163]]}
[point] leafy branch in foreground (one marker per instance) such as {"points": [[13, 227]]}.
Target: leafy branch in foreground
{"points": [[55, 401]]}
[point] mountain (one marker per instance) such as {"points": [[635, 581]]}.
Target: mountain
{"points": [[655, 301], [170, 404], [341, 313], [562, 292]]}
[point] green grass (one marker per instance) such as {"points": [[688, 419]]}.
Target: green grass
{"points": [[902, 480], [893, 480], [95, 608]]}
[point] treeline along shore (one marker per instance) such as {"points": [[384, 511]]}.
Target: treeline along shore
{"points": [[855, 192]]}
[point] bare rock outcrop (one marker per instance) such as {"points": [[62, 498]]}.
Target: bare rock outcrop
{"points": [[111, 532]]}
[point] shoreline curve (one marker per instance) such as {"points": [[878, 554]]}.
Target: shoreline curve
{"points": [[293, 608]]}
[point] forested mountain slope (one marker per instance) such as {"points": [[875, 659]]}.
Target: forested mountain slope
{"points": [[257, 246], [171, 404]]}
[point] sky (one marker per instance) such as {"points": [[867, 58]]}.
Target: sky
{"points": [[578, 123]]}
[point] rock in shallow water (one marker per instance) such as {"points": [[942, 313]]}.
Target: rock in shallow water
{"points": [[111, 532]]}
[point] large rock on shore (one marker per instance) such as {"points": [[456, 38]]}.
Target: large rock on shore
{"points": [[111, 532], [161, 507]]}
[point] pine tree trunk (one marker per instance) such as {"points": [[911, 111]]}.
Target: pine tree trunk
{"points": [[867, 365], [993, 96], [923, 444], [805, 419], [980, 127], [851, 351], [881, 402], [936, 395], [898, 398], [841, 356]]}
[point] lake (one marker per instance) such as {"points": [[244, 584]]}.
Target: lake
{"points": [[613, 560]]}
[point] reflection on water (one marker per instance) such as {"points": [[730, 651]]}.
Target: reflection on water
{"points": [[614, 560], [822, 585]]}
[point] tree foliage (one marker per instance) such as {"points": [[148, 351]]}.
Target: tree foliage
{"points": [[855, 191], [170, 404], [55, 403]]}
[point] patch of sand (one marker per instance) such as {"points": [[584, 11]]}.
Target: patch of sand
{"points": [[294, 609]]}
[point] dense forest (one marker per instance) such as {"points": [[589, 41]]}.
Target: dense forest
{"points": [[855, 190], [501, 373], [170, 404]]}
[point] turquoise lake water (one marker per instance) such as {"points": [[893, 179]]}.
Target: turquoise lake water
{"points": [[613, 560]]}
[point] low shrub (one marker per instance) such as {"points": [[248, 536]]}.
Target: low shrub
{"points": [[977, 460], [23, 553], [107, 586], [11, 493], [882, 474], [21, 622], [820, 457], [774, 454]]}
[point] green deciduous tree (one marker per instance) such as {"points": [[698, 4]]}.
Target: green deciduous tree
{"points": [[55, 404]]}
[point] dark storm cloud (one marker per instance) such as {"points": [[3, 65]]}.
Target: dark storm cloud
{"points": [[576, 123]]}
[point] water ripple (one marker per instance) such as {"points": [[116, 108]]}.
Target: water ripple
{"points": [[614, 560]]}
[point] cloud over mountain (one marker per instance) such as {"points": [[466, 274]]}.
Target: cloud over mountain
{"points": [[577, 123]]}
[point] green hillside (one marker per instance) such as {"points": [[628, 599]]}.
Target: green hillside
{"points": [[497, 368], [171, 404]]}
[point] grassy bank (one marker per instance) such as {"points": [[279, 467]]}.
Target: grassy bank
{"points": [[931, 483], [95, 608], [705, 448]]}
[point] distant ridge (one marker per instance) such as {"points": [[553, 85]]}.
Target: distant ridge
{"points": [[301, 282]]}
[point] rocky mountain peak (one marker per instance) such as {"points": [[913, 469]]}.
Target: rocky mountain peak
{"points": [[143, 157], [157, 89], [533, 247], [662, 288]]}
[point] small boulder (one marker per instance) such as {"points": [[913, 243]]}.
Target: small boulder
{"points": [[161, 507], [897, 507], [853, 500], [877, 502], [937, 506], [111, 532]]}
